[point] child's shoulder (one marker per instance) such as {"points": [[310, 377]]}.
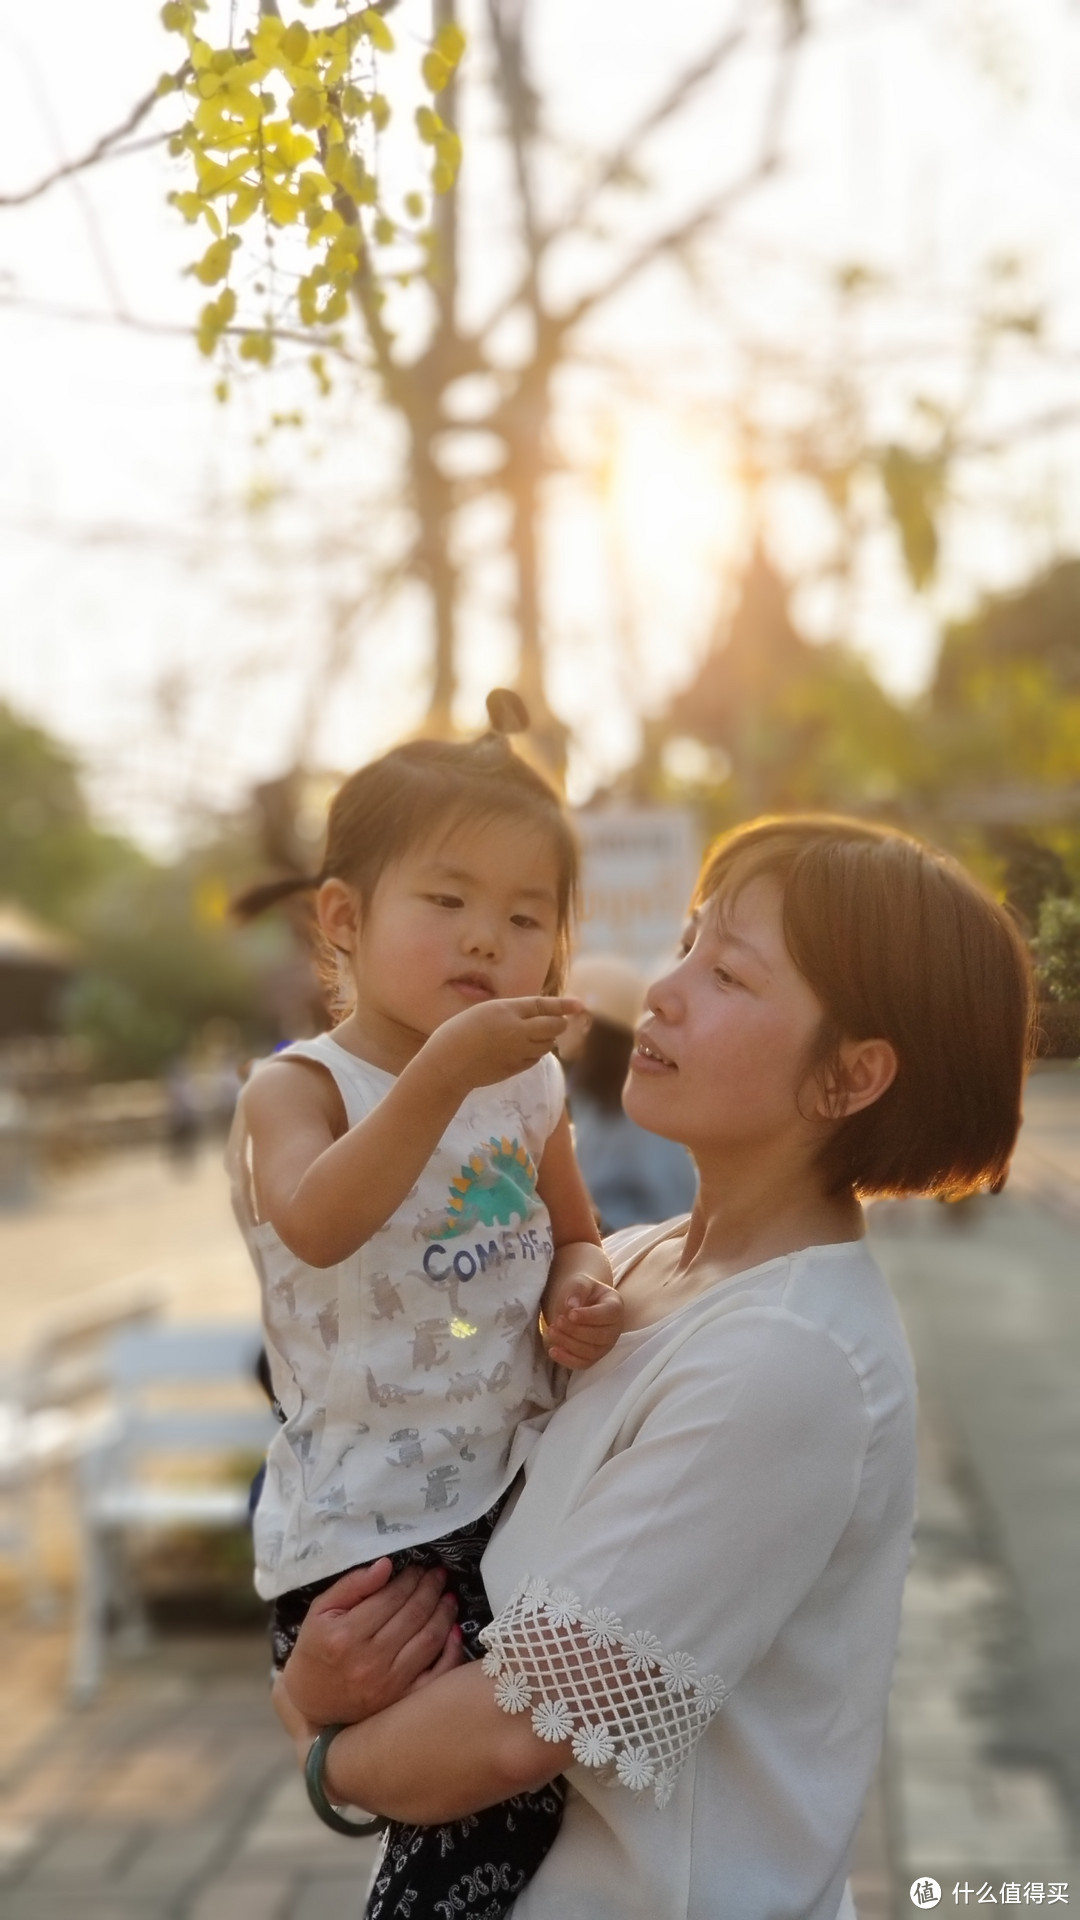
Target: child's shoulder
{"points": [[292, 1081]]}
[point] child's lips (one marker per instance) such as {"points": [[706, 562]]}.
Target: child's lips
{"points": [[473, 986]]}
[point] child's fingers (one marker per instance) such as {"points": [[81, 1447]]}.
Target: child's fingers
{"points": [[596, 1313]]}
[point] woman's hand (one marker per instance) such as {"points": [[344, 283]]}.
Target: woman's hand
{"points": [[300, 1730], [369, 1640]]}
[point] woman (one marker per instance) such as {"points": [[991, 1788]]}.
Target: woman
{"points": [[697, 1591]]}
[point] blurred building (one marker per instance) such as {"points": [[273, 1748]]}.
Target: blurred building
{"points": [[36, 965]]}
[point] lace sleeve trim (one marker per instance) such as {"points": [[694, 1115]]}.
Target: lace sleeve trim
{"points": [[627, 1706]]}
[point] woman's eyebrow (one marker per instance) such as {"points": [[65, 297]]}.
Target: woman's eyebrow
{"points": [[728, 938]]}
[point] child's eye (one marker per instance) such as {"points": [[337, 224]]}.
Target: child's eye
{"points": [[445, 900], [524, 920], [725, 977]]}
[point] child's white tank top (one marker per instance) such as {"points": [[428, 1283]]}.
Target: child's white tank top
{"points": [[410, 1375]]}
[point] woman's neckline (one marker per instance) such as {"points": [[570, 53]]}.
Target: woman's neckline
{"points": [[671, 1231]]}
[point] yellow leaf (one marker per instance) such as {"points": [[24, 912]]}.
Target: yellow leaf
{"points": [[450, 42], [295, 42], [380, 111], [414, 205], [428, 125], [257, 346], [214, 264], [282, 206], [308, 107], [377, 30], [436, 71], [189, 204], [245, 203], [385, 230]]}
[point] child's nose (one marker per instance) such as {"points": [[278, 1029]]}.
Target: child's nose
{"points": [[482, 936]]}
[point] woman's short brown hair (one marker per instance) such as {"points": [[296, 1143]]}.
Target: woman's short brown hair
{"points": [[899, 943]]}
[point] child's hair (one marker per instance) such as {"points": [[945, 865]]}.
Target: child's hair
{"points": [[899, 943], [426, 788]]}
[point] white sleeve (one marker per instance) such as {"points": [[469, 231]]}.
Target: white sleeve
{"points": [[688, 1549]]}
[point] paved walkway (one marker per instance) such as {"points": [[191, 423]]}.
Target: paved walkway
{"points": [[173, 1797]]}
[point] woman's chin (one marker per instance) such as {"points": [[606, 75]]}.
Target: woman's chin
{"points": [[647, 1099]]}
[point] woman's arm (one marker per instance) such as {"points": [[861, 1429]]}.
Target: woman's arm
{"points": [[583, 1313], [437, 1755], [325, 1191]]}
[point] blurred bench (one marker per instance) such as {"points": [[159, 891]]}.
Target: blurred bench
{"points": [[51, 1409], [177, 1392]]}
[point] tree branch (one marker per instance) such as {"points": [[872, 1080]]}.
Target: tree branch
{"points": [[102, 149], [711, 209], [177, 330], [520, 106], [680, 91]]}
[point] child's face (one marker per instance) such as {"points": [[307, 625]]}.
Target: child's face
{"points": [[469, 917]]}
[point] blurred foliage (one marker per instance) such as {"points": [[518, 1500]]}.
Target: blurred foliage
{"points": [[1056, 947], [281, 131], [157, 959], [51, 854], [986, 762]]}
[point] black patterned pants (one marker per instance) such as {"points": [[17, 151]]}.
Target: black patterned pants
{"points": [[474, 1867]]}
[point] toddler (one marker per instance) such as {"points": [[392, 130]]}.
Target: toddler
{"points": [[409, 1194]]}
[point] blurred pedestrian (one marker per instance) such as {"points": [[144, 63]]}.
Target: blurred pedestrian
{"points": [[634, 1178], [182, 1116]]}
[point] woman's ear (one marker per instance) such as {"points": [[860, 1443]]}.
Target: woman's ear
{"points": [[862, 1071], [337, 909]]}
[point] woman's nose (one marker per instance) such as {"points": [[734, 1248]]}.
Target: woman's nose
{"points": [[664, 997]]}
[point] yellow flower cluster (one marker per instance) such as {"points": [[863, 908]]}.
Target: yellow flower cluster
{"points": [[281, 126]]}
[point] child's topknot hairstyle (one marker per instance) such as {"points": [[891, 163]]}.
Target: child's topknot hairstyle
{"points": [[425, 789]]}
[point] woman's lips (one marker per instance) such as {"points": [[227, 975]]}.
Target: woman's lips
{"points": [[647, 1057]]}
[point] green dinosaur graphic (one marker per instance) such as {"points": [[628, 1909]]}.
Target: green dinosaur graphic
{"points": [[495, 1188]]}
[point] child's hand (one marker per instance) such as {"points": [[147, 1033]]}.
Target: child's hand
{"points": [[586, 1325], [498, 1038]]}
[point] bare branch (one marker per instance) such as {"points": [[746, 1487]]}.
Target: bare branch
{"points": [[177, 330], [712, 209], [681, 90], [102, 149], [520, 106]]}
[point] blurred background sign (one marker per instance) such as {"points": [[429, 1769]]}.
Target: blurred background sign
{"points": [[638, 870]]}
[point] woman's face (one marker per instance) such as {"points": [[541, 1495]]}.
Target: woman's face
{"points": [[721, 1052]]}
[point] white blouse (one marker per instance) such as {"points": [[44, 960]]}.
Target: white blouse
{"points": [[699, 1584]]}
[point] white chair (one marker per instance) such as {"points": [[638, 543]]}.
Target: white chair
{"points": [[178, 1391], [50, 1412]]}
